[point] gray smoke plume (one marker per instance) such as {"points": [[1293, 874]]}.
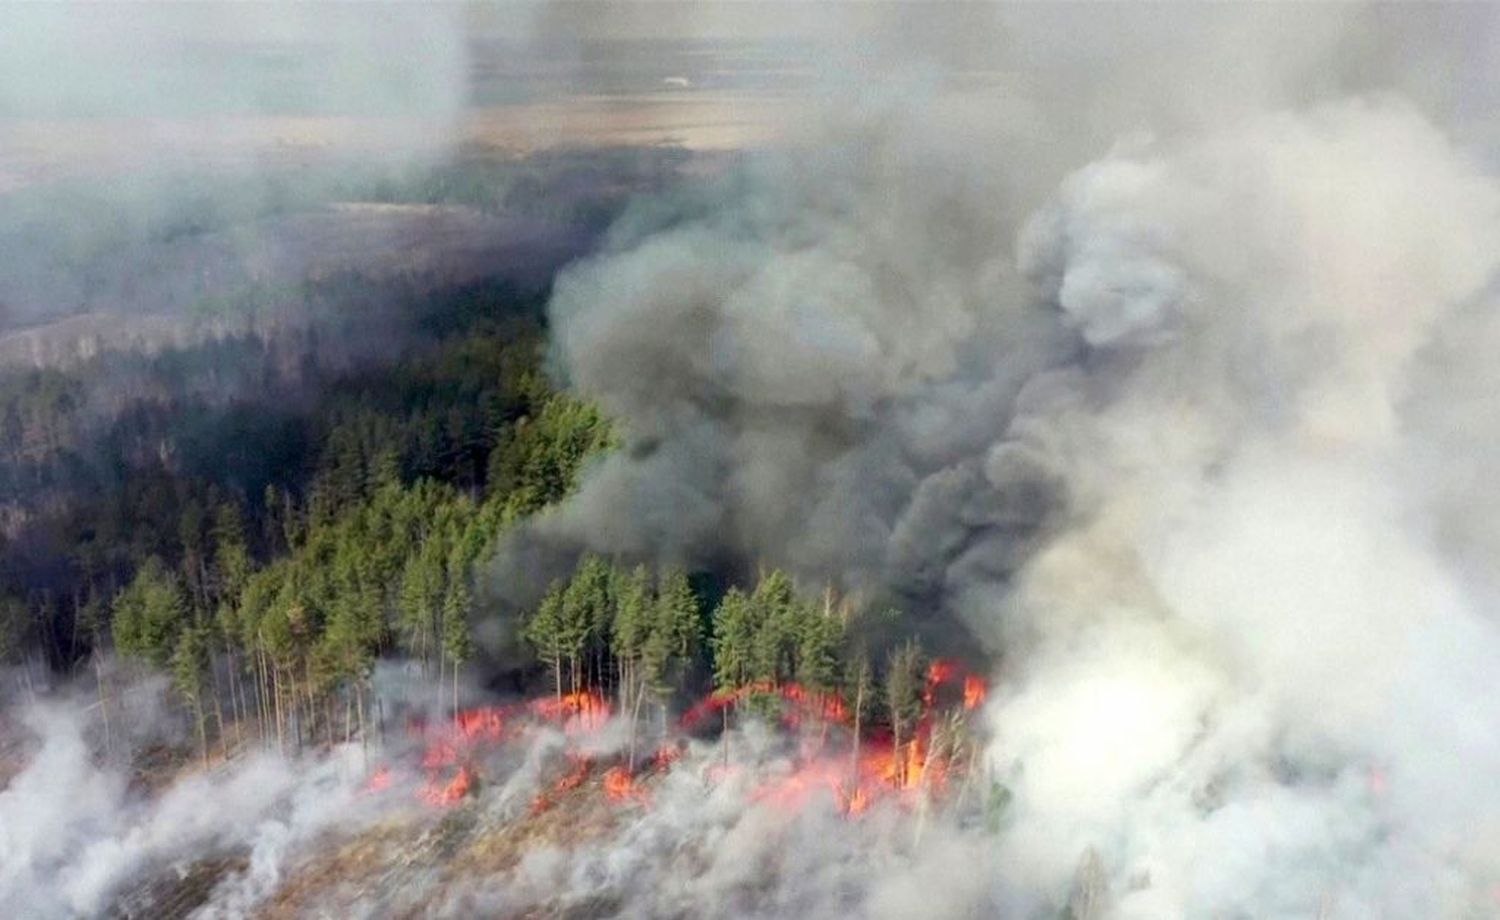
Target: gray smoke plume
{"points": [[1193, 440]]}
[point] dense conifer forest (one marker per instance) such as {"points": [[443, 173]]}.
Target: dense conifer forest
{"points": [[263, 526]]}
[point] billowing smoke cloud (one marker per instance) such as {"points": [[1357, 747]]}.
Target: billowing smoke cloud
{"points": [[1196, 448], [1246, 673], [809, 366]]}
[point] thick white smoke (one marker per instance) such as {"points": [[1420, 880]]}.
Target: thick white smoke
{"points": [[78, 832], [1197, 450], [1248, 675], [710, 844]]}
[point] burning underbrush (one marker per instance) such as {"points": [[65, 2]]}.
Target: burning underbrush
{"points": [[510, 798], [821, 748], [482, 812]]}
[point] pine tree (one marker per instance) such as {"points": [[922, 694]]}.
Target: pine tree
{"points": [[818, 638], [734, 641], [194, 563], [774, 603], [544, 632], [904, 684], [633, 609], [15, 621], [418, 604], [385, 470], [586, 616], [149, 615], [669, 648], [457, 640], [231, 561], [860, 686], [190, 662], [677, 623]]}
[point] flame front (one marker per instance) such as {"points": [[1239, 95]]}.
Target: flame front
{"points": [[828, 762]]}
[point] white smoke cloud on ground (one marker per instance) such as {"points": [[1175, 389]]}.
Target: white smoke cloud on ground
{"points": [[77, 832], [709, 841]]}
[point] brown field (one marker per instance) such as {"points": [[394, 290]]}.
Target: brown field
{"points": [[39, 150]]}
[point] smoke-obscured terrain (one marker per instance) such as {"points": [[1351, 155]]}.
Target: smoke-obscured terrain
{"points": [[668, 461]]}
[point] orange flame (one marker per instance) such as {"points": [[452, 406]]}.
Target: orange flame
{"points": [[584, 711], [858, 802], [619, 785], [455, 791], [486, 723], [379, 780], [881, 770], [975, 690], [571, 780], [941, 671]]}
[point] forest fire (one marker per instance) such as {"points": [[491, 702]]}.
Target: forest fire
{"points": [[570, 781], [455, 790], [472, 731], [857, 773], [975, 690], [800, 704], [620, 786]]}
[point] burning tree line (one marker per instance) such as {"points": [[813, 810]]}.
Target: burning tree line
{"points": [[611, 640], [269, 615], [642, 638]]}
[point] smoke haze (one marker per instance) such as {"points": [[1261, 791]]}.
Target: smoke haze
{"points": [[1144, 354]]}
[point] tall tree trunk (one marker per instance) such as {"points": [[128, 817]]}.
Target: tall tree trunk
{"points": [[639, 693], [263, 695], [103, 700], [312, 703], [202, 730], [237, 697], [859, 707], [257, 685], [219, 720], [359, 706], [280, 722], [263, 699]]}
